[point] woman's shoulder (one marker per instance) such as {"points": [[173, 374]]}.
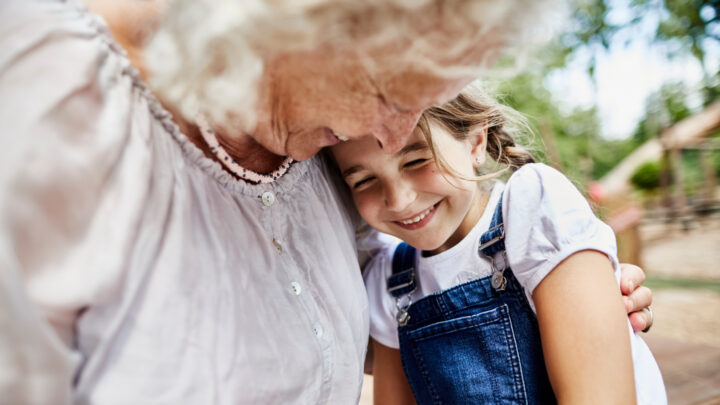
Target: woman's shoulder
{"points": [[60, 63], [54, 35]]}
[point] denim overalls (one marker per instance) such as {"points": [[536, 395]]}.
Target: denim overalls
{"points": [[475, 343]]}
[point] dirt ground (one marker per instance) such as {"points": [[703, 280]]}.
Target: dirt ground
{"points": [[687, 314], [669, 251]]}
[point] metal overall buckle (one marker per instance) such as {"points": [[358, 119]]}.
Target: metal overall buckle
{"points": [[402, 315], [497, 280]]}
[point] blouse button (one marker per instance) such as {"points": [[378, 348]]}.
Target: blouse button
{"points": [[297, 289], [268, 198], [318, 330], [278, 245]]}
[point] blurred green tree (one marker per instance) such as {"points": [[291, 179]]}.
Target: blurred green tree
{"points": [[574, 133], [647, 176]]}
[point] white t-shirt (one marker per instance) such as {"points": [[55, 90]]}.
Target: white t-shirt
{"points": [[546, 220]]}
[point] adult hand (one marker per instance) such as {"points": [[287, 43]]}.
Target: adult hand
{"points": [[636, 297]]}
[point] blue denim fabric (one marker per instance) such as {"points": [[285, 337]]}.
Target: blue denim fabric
{"points": [[473, 344]]}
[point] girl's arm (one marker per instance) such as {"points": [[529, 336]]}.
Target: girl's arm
{"points": [[584, 332], [389, 383]]}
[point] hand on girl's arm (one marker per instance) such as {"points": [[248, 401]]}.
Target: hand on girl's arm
{"points": [[636, 297], [390, 386], [584, 332]]}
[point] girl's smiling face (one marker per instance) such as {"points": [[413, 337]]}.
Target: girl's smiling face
{"points": [[407, 194]]}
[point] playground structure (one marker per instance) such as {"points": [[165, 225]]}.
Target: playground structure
{"points": [[620, 204]]}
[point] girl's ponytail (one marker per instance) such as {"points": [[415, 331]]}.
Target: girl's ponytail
{"points": [[502, 148]]}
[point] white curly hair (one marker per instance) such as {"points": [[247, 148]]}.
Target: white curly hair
{"points": [[207, 56]]}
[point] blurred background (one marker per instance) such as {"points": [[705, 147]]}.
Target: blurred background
{"points": [[626, 102]]}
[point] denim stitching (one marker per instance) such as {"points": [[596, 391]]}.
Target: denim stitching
{"points": [[423, 370], [519, 363], [426, 332], [513, 355]]}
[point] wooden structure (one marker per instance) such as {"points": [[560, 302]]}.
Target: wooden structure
{"points": [[622, 212], [688, 133]]}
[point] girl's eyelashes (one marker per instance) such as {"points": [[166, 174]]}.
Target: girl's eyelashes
{"points": [[362, 182], [415, 162]]}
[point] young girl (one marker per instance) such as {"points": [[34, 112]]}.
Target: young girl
{"points": [[486, 272]]}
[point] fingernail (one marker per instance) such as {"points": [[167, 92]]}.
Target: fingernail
{"points": [[631, 285], [629, 305]]}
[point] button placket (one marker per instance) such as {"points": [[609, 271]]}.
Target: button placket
{"points": [[297, 286]]}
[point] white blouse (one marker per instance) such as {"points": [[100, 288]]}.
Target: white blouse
{"points": [[161, 277]]}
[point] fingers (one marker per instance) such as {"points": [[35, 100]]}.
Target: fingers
{"points": [[631, 276], [638, 300], [635, 296], [640, 320]]}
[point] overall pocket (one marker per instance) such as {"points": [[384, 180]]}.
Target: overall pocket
{"points": [[471, 359]]}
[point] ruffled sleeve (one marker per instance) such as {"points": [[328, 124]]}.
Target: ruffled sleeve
{"points": [[67, 95], [547, 219]]}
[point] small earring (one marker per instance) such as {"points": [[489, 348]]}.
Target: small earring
{"points": [[478, 160]]}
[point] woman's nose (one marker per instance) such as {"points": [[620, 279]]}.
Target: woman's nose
{"points": [[399, 194], [394, 131]]}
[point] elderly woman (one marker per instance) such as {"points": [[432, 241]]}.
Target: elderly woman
{"points": [[204, 255]]}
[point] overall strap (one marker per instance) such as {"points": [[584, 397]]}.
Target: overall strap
{"points": [[401, 282], [492, 242]]}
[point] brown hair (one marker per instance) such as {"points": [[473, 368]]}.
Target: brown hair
{"points": [[471, 111]]}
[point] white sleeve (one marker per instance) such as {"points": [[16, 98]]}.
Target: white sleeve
{"points": [[546, 220], [383, 326], [64, 150]]}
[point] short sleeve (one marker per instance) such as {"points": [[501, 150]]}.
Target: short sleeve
{"points": [[383, 326], [546, 220]]}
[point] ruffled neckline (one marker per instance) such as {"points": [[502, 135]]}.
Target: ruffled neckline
{"points": [[189, 149]]}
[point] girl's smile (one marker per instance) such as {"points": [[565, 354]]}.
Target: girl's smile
{"points": [[418, 221]]}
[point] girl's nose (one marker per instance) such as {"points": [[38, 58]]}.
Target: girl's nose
{"points": [[394, 131], [399, 195]]}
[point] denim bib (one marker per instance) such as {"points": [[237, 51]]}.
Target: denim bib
{"points": [[475, 343]]}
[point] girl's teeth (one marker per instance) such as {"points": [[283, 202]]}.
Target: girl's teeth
{"points": [[340, 137], [417, 218]]}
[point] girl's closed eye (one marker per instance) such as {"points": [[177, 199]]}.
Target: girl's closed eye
{"points": [[416, 162], [361, 183], [417, 158]]}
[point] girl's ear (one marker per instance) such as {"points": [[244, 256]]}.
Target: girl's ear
{"points": [[478, 140]]}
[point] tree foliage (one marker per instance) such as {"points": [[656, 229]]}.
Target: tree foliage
{"points": [[583, 153], [647, 176]]}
